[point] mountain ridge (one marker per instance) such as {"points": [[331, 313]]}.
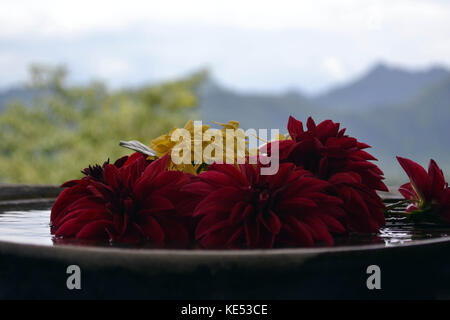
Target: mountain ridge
{"points": [[381, 85]]}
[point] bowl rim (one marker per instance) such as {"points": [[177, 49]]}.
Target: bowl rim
{"points": [[4, 245]]}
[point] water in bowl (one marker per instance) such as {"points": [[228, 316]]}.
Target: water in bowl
{"points": [[32, 227]]}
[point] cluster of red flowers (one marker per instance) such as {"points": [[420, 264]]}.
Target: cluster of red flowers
{"points": [[326, 185]]}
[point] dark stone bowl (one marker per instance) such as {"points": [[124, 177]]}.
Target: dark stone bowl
{"points": [[420, 269]]}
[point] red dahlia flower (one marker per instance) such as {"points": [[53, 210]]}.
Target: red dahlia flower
{"points": [[329, 154], [428, 191], [132, 201], [240, 208]]}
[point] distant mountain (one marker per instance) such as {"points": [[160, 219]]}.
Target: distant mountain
{"points": [[417, 128], [252, 110], [382, 85]]}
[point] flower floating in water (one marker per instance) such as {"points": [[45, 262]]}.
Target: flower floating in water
{"points": [[240, 208], [428, 192], [132, 201], [330, 155]]}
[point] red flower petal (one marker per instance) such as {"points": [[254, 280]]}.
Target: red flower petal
{"points": [[295, 127], [408, 192], [70, 228], [152, 229], [333, 224], [218, 200], [212, 222], [176, 233], [95, 230], [311, 125], [437, 179], [252, 233], [297, 232], [272, 222], [293, 204], [418, 176], [320, 230], [110, 175]]}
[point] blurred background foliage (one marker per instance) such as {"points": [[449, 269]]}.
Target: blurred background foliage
{"points": [[69, 127]]}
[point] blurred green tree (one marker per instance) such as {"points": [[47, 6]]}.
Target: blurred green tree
{"points": [[70, 127]]}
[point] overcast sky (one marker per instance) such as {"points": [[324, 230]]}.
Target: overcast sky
{"points": [[248, 45]]}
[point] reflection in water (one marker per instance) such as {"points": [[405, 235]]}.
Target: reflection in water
{"points": [[26, 226], [32, 227], [398, 230]]}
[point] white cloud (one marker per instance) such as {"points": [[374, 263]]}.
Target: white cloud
{"points": [[334, 68], [107, 67], [69, 17], [13, 68], [251, 44]]}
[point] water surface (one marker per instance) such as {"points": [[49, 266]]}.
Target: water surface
{"points": [[32, 227]]}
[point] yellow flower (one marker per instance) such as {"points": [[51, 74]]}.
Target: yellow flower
{"points": [[164, 144], [281, 137], [238, 148]]}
